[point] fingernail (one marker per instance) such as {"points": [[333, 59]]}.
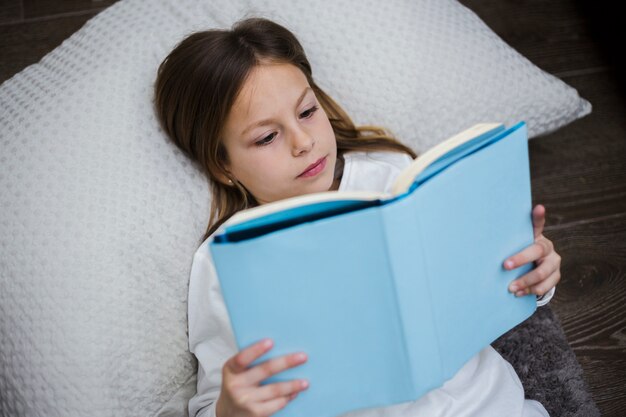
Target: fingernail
{"points": [[300, 356], [267, 343], [514, 288], [304, 384], [520, 293], [509, 264]]}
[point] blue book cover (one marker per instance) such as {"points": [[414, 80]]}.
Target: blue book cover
{"points": [[390, 296]]}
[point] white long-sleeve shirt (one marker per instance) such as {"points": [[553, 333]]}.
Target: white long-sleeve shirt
{"points": [[485, 386]]}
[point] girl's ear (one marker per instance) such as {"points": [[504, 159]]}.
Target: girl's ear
{"points": [[224, 173], [223, 178]]}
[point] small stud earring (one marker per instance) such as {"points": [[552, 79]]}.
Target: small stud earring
{"points": [[230, 181]]}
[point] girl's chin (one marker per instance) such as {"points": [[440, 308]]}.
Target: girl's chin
{"points": [[321, 188]]}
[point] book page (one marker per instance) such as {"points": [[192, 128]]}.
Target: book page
{"points": [[406, 178], [314, 199]]}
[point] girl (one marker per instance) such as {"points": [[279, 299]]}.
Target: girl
{"points": [[243, 105]]}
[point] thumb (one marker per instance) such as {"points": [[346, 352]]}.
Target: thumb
{"points": [[539, 220]]}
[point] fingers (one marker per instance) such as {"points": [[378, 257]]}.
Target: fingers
{"points": [[273, 366], [541, 279], [269, 408], [541, 248], [546, 285], [539, 220], [242, 379], [287, 389], [546, 273], [241, 361], [269, 398]]}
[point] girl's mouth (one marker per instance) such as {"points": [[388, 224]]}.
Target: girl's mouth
{"points": [[315, 169]]}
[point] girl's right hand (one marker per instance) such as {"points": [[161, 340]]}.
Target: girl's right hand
{"points": [[243, 396]]}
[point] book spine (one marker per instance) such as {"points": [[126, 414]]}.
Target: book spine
{"points": [[406, 381], [414, 298]]}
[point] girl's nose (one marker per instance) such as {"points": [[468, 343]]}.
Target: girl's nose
{"points": [[302, 142]]}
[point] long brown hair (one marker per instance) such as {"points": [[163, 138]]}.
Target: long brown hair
{"points": [[198, 82]]}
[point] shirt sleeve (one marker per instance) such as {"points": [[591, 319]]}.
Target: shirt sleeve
{"points": [[542, 300], [211, 337]]}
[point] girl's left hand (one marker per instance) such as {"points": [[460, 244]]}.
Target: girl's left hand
{"points": [[547, 274]]}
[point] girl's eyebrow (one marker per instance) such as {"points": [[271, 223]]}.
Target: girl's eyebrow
{"points": [[268, 121]]}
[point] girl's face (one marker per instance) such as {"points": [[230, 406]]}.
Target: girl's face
{"points": [[275, 131]]}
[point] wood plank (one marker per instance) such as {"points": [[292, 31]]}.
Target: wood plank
{"points": [[579, 171], [26, 43], [579, 174], [554, 35], [40, 8], [10, 11], [589, 303], [606, 26]]}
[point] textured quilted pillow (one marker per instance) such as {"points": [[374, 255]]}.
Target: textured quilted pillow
{"points": [[101, 214]]}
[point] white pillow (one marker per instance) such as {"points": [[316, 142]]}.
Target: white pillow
{"points": [[101, 214]]}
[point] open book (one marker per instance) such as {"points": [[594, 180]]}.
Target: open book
{"points": [[388, 294]]}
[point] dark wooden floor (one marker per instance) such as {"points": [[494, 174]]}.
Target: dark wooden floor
{"points": [[578, 172]]}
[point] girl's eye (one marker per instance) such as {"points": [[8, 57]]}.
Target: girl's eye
{"points": [[265, 140], [308, 113]]}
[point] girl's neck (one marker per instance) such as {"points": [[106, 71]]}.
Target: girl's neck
{"points": [[338, 172]]}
